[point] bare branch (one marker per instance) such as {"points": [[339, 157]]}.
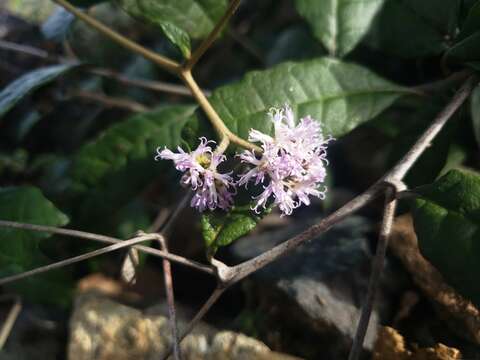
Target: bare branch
{"points": [[199, 316], [110, 101], [244, 269], [167, 274], [11, 318], [402, 167], [31, 51], [160, 86], [165, 226], [377, 269], [205, 45], [73, 260], [443, 84], [109, 240]]}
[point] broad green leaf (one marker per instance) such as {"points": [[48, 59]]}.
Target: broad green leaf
{"points": [[475, 112], [447, 223], [196, 17], [20, 249], [111, 170], [411, 28], [24, 85], [339, 24], [432, 161], [177, 36], [222, 228], [27, 205], [87, 3], [294, 43], [340, 95], [466, 50], [471, 23]]}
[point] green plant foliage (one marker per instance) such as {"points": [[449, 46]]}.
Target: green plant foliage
{"points": [[466, 50], [466, 47], [411, 28], [177, 36], [20, 250], [294, 43], [222, 228], [341, 95], [339, 24], [28, 83], [28, 205], [111, 170], [178, 19], [471, 23], [86, 3], [446, 219]]}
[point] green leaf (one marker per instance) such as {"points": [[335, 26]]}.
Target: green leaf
{"points": [[339, 24], [471, 23], [222, 228], [410, 28], [24, 85], [294, 43], [177, 36], [466, 50], [432, 161], [108, 172], [20, 249], [340, 95], [475, 112], [196, 17], [86, 3], [28, 205], [447, 218]]}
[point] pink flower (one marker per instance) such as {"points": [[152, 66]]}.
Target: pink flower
{"points": [[293, 162], [211, 189]]}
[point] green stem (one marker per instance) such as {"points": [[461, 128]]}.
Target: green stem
{"points": [[183, 72], [215, 119], [205, 45], [160, 60]]}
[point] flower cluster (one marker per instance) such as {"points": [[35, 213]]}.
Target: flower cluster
{"points": [[291, 167], [211, 189], [293, 161]]}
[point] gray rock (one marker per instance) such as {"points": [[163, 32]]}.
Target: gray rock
{"points": [[102, 329], [312, 298]]}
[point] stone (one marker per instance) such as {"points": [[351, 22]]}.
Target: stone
{"points": [[103, 329], [312, 297], [391, 345]]}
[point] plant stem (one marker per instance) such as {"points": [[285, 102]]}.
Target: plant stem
{"points": [[375, 274], [238, 272], [205, 45], [397, 174], [11, 318], [409, 159], [198, 316], [215, 119], [75, 259], [109, 240], [183, 72], [167, 275], [160, 60], [110, 101], [160, 86]]}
